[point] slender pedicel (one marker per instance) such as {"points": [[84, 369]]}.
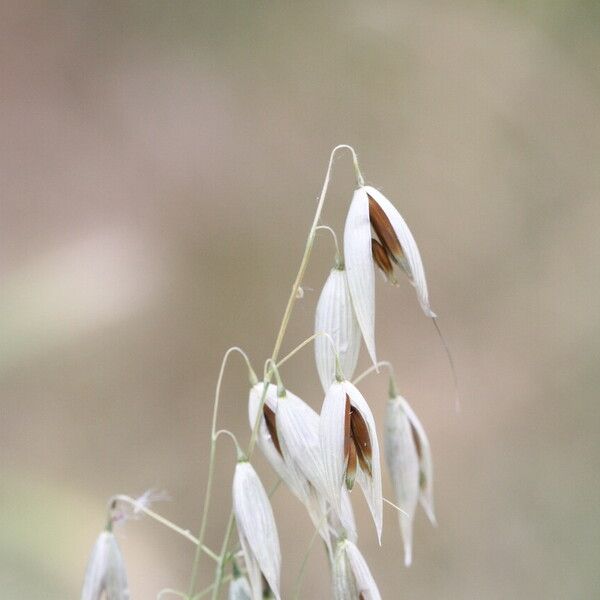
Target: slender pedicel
{"points": [[170, 592], [338, 254]]}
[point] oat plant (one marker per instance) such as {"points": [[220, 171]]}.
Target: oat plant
{"points": [[319, 458]]}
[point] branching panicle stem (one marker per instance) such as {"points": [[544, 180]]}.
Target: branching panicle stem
{"points": [[276, 349]]}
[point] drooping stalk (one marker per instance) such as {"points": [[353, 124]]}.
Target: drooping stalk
{"points": [[372, 369], [309, 244], [211, 464], [338, 254]]}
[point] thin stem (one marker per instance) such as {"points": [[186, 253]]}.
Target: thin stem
{"points": [[297, 349], [372, 369], [211, 462], [309, 244], [275, 371], [298, 582], [163, 521], [211, 587], [221, 563], [338, 256], [233, 438], [307, 341], [359, 178], [162, 593]]}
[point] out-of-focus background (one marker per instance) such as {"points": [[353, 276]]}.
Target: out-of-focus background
{"points": [[160, 163]]}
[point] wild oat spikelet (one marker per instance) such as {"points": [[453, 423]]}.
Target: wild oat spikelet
{"points": [[350, 448], [257, 530], [371, 209], [105, 573], [408, 457]]}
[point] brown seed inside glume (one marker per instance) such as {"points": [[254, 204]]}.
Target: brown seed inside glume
{"points": [[351, 467], [382, 260], [357, 444], [362, 441], [271, 426], [384, 230]]}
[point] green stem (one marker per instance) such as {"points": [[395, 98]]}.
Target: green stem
{"points": [[309, 244], [307, 341], [211, 464], [338, 254], [221, 563], [298, 582], [211, 587], [372, 369], [163, 521]]}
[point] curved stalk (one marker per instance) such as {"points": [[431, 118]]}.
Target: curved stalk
{"points": [[232, 437], [338, 255], [309, 244], [211, 463], [373, 369], [166, 591]]}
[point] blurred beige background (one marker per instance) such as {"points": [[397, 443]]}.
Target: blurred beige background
{"points": [[160, 163]]}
